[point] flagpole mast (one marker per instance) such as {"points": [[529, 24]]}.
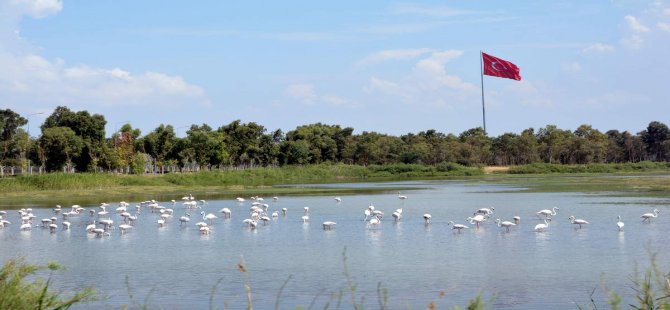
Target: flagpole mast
{"points": [[481, 74]]}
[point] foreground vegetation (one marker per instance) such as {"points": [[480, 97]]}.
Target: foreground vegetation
{"points": [[17, 291]]}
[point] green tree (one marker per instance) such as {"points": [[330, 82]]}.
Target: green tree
{"points": [[160, 144], [207, 146], [90, 128], [10, 123], [61, 145], [242, 141], [654, 137], [476, 145]]}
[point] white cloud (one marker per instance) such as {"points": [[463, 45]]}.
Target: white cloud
{"points": [[633, 41], [635, 25], [28, 78], [571, 67], [599, 48], [434, 11], [35, 8], [306, 94], [431, 72], [303, 92], [385, 87], [397, 54], [663, 26]]}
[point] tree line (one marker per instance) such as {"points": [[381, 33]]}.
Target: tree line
{"points": [[76, 141]]}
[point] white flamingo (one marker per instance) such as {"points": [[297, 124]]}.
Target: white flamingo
{"points": [[619, 223], [506, 224], [209, 217], [401, 197], [485, 211], [648, 216], [226, 212], [338, 199], [124, 228], [458, 227], [516, 219], [542, 227], [547, 213], [427, 217], [184, 219], [328, 225], [476, 219], [579, 222]]}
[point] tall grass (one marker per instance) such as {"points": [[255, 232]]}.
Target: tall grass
{"points": [[261, 176], [17, 292]]}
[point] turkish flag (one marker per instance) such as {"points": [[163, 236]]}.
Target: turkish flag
{"points": [[494, 66]]}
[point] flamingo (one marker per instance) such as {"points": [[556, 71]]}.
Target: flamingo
{"points": [[542, 227], [374, 221], [619, 223], [506, 224], [204, 230], [547, 213], [250, 222], [184, 219], [99, 232], [459, 227], [427, 217], [476, 219], [397, 215], [367, 214], [283, 211], [53, 227], [328, 225], [90, 227], [516, 219], [226, 212], [579, 222], [338, 199], [647, 216], [124, 228], [275, 198], [401, 197], [485, 211], [66, 224], [239, 199], [209, 217]]}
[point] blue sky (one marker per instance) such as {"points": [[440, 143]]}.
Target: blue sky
{"points": [[385, 66]]}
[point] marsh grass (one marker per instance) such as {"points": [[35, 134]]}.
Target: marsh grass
{"points": [[17, 291]]}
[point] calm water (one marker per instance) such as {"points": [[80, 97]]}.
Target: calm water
{"points": [[174, 267]]}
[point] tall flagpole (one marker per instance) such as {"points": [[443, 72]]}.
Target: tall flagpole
{"points": [[481, 73]]}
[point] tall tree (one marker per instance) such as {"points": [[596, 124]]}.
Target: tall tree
{"points": [[90, 128], [159, 144], [61, 146], [242, 141], [654, 137], [10, 122]]}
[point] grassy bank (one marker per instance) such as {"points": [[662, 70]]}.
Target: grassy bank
{"points": [[97, 187]]}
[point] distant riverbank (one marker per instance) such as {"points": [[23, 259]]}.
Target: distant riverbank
{"points": [[98, 187]]}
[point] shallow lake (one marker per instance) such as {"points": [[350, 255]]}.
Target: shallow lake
{"points": [[290, 263]]}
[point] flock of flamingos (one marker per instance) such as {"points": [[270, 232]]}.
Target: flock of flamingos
{"points": [[101, 222]]}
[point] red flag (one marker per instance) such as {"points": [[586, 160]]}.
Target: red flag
{"points": [[494, 66]]}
